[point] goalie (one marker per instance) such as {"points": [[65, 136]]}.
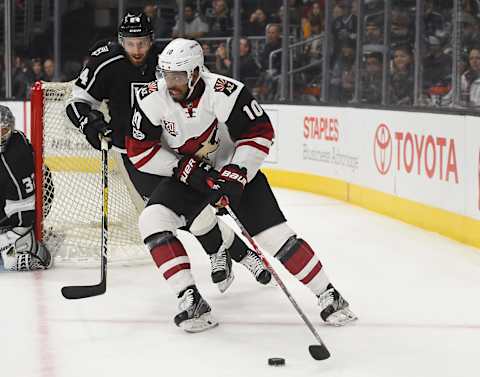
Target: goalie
{"points": [[19, 250]]}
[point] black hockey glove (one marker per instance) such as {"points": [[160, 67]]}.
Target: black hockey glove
{"points": [[195, 174], [228, 188], [94, 128]]}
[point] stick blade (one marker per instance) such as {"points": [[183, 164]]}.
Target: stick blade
{"points": [[319, 352], [75, 292]]}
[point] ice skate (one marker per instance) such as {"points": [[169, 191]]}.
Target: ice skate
{"points": [[222, 273], [255, 265], [334, 308], [195, 313]]}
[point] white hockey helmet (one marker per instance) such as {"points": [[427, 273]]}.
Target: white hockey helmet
{"points": [[184, 55], [7, 126]]}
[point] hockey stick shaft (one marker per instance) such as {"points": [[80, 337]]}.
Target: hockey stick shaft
{"points": [[82, 291], [321, 353]]}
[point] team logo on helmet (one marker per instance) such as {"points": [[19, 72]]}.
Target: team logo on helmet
{"points": [[225, 86]]}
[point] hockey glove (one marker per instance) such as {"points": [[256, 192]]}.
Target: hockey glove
{"points": [[195, 173], [228, 188], [93, 127]]}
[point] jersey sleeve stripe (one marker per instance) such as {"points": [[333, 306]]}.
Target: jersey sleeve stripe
{"points": [[100, 67], [136, 148], [253, 144], [148, 157], [263, 129]]}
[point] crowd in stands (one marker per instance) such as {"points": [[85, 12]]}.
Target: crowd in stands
{"points": [[211, 22]]}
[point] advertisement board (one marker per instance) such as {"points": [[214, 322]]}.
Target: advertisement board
{"points": [[432, 159]]}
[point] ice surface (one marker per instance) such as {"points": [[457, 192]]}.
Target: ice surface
{"points": [[416, 293]]}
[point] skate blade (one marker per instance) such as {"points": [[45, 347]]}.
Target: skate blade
{"points": [[341, 317], [202, 323], [225, 284]]}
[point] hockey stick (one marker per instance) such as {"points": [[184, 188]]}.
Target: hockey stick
{"points": [[318, 351], [82, 291], [3, 220]]}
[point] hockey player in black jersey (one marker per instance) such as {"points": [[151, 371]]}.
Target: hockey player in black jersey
{"points": [[113, 73], [222, 135], [19, 251]]}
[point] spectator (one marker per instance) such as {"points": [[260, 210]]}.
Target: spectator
{"points": [[21, 79], [401, 79], [151, 10], [223, 65], [471, 31], [219, 20], [373, 6], [49, 70], [434, 24], [273, 42], [372, 79], [248, 70], [344, 26], [437, 68], [37, 70], [402, 30], [314, 19], [342, 79], [294, 16], [208, 56], [472, 7], [373, 32], [470, 81], [248, 66], [257, 23], [194, 26]]}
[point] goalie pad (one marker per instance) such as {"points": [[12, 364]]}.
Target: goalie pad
{"points": [[20, 250]]}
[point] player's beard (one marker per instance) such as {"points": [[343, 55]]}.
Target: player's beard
{"points": [[178, 95], [137, 61]]}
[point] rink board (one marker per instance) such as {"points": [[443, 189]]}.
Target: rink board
{"points": [[421, 168]]}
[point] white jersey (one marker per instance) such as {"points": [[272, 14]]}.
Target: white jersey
{"points": [[221, 124]]}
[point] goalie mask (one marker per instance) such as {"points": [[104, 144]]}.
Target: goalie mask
{"points": [[179, 60], [7, 125]]}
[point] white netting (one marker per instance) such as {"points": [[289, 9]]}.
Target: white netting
{"points": [[72, 223]]}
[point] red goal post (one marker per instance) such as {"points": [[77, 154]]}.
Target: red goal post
{"points": [[68, 188]]}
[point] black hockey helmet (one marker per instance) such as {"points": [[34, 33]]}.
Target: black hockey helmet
{"points": [[136, 24], [7, 126]]}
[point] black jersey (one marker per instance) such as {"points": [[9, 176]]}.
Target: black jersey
{"points": [[17, 187], [109, 75]]}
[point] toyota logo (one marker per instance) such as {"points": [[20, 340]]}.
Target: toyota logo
{"points": [[382, 149]]}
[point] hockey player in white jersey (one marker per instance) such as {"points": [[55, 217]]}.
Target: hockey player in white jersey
{"points": [[112, 73], [19, 250], [211, 136]]}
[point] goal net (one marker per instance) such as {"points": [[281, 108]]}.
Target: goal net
{"points": [[69, 200]]}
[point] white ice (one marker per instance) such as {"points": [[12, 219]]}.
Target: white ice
{"points": [[417, 296]]}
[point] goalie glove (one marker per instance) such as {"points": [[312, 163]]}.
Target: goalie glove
{"points": [[94, 126], [195, 173]]}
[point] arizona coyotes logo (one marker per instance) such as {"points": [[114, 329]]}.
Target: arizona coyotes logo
{"points": [[170, 127], [202, 146], [225, 86], [208, 146]]}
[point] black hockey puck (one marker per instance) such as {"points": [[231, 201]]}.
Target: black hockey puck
{"points": [[276, 361]]}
